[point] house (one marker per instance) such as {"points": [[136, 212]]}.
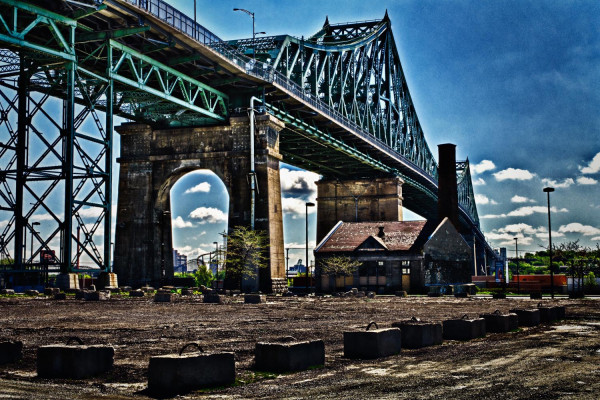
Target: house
{"points": [[395, 255]]}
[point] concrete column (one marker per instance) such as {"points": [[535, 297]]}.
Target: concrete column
{"points": [[447, 186], [357, 200]]}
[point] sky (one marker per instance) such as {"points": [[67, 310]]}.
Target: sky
{"points": [[514, 84]]}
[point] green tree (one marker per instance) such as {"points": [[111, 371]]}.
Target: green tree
{"points": [[339, 265], [246, 253], [203, 276]]}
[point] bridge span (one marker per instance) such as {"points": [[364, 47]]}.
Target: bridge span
{"points": [[336, 103]]}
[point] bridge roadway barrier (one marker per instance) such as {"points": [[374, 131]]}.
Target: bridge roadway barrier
{"points": [[527, 317], [288, 355], [181, 373], [417, 333], [464, 328], [497, 322], [374, 343], [10, 351], [74, 361]]}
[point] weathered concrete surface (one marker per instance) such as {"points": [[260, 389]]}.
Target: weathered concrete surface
{"points": [[357, 200], [287, 357], [463, 329], [417, 334], [67, 282], [10, 351], [497, 322], [174, 373], [527, 317], [64, 361], [374, 343], [152, 161], [101, 295]]}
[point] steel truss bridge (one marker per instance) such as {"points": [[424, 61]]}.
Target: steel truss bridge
{"points": [[67, 68]]}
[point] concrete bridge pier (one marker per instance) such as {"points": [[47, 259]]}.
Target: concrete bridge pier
{"points": [[151, 162]]}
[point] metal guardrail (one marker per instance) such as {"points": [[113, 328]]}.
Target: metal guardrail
{"points": [[258, 69]]}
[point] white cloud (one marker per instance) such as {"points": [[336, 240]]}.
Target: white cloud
{"points": [[296, 206], [485, 165], [520, 199], [558, 185], [482, 199], [576, 227], [479, 182], [203, 187], [181, 223], [518, 228], [90, 212], [513, 174], [301, 183], [508, 239], [593, 166], [595, 238], [530, 210], [208, 215], [585, 180]]}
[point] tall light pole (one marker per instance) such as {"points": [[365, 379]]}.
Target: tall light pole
{"points": [[517, 255], [308, 204], [548, 190], [250, 13], [33, 224], [217, 262]]}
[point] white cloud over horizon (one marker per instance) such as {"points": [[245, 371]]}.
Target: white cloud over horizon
{"points": [[292, 205], [179, 222], [576, 227], [521, 199], [525, 211], [586, 180], [483, 199], [300, 183], [208, 215], [558, 185], [203, 187], [483, 166], [592, 167], [479, 182], [513, 174]]}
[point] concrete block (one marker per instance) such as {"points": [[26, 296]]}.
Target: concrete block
{"points": [[462, 295], [374, 343], [527, 317], [212, 298], [253, 298], [11, 351], [67, 281], [497, 322], [7, 291], [560, 312], [60, 296], [417, 334], [164, 297], [499, 296], [32, 292], [371, 295], [51, 291], [551, 313], [291, 356], [125, 289], [147, 289], [79, 295], [401, 293], [73, 361], [107, 280], [187, 292], [464, 328], [535, 295], [137, 293], [181, 373], [102, 295]]}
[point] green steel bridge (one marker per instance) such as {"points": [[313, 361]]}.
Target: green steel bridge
{"points": [[68, 67]]}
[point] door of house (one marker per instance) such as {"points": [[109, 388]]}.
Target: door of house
{"points": [[406, 282]]}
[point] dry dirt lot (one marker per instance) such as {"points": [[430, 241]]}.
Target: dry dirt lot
{"points": [[558, 361]]}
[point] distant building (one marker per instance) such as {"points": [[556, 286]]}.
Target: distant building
{"points": [[396, 255], [179, 262]]}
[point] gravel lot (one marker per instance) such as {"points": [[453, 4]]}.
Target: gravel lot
{"points": [[557, 361]]}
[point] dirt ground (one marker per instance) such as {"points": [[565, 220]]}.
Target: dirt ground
{"points": [[557, 361]]}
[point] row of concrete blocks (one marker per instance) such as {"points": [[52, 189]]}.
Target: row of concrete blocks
{"points": [[213, 298]]}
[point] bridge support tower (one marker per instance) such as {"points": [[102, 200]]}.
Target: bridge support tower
{"points": [[152, 160]]}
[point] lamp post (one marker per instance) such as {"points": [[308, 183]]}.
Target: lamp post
{"points": [[33, 224], [217, 263], [308, 204], [250, 13], [548, 190], [517, 255]]}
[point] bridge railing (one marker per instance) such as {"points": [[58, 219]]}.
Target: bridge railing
{"points": [[258, 69]]}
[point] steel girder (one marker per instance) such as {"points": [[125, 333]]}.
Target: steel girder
{"points": [[466, 197]]}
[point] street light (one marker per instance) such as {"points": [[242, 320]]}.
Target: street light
{"points": [[217, 262], [308, 204], [517, 255], [548, 190], [250, 13], [33, 224]]}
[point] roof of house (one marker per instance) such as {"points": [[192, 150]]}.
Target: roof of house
{"points": [[348, 236]]}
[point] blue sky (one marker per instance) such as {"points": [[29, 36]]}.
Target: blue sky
{"points": [[514, 84]]}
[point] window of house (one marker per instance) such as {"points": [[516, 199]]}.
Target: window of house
{"points": [[405, 271]]}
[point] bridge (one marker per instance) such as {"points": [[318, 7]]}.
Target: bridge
{"points": [[335, 103]]}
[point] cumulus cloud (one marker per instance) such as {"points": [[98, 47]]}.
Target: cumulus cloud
{"points": [[299, 183], [296, 206], [208, 215], [558, 185], [181, 223], [592, 167], [513, 174], [485, 165], [585, 180], [482, 199], [525, 211], [508, 239], [576, 227], [203, 187], [90, 212], [595, 238], [518, 228], [479, 182], [521, 199]]}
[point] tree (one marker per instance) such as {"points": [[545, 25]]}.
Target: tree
{"points": [[246, 253], [339, 265], [203, 276]]}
